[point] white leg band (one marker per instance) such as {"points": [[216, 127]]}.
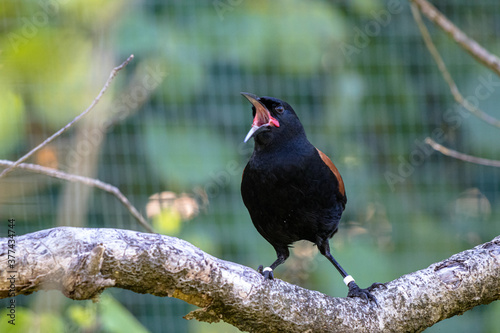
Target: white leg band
{"points": [[348, 279], [268, 269]]}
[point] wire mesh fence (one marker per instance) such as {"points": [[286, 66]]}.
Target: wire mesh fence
{"points": [[169, 133]]}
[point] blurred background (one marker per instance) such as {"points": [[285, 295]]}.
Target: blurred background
{"points": [[169, 132]]}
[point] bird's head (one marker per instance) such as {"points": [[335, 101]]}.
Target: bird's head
{"points": [[274, 120]]}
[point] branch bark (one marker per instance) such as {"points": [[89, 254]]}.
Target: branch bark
{"points": [[82, 262]]}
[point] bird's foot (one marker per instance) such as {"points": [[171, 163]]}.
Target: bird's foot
{"points": [[266, 272], [355, 291]]}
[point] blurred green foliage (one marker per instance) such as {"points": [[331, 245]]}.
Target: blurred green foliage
{"points": [[31, 322], [11, 123], [356, 72], [106, 316], [190, 155]]}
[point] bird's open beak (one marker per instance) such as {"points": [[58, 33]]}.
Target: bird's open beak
{"points": [[262, 115]]}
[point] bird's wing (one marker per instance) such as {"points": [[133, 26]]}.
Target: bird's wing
{"points": [[334, 169]]}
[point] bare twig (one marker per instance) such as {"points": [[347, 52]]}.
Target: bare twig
{"points": [[471, 46], [446, 74], [461, 156], [71, 123], [83, 180]]}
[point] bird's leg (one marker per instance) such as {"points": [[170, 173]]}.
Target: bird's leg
{"points": [[283, 254], [354, 289]]}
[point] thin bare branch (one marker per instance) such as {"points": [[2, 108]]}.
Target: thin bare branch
{"points": [[471, 46], [71, 123], [446, 74], [83, 180], [461, 156]]}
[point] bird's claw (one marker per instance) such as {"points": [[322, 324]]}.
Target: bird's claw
{"points": [[266, 272], [356, 291]]}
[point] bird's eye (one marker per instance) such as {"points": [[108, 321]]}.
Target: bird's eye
{"points": [[279, 109]]}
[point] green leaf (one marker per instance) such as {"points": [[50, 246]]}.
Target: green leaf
{"points": [[83, 316], [168, 222]]}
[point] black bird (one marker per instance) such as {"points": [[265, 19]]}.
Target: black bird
{"points": [[291, 189]]}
